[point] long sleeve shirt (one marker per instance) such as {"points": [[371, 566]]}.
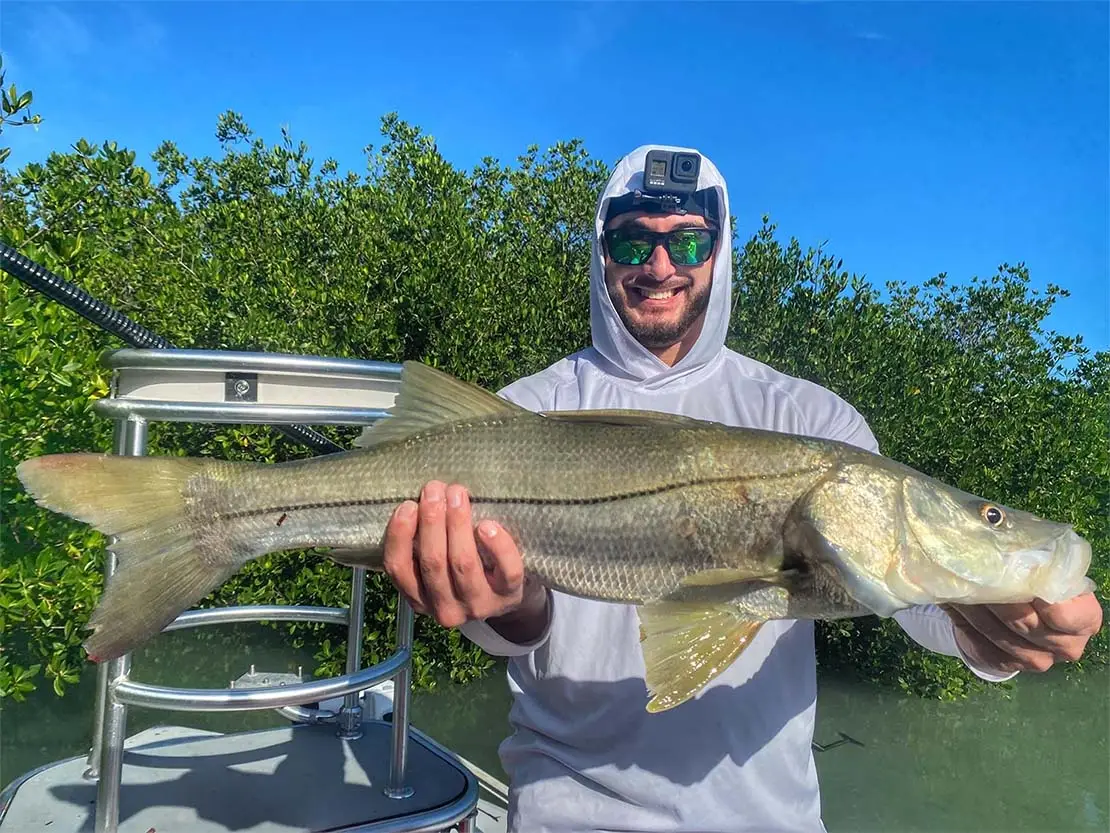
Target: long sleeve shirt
{"points": [[584, 754]]}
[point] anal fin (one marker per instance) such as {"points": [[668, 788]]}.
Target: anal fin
{"points": [[686, 646]]}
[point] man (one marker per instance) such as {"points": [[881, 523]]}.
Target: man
{"points": [[585, 755]]}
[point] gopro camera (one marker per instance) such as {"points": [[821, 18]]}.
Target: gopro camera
{"points": [[670, 186], [671, 172]]}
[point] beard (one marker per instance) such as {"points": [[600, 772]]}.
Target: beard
{"points": [[657, 335]]}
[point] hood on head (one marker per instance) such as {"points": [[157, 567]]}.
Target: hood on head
{"points": [[610, 338]]}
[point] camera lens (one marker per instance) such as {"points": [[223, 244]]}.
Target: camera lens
{"points": [[685, 168]]}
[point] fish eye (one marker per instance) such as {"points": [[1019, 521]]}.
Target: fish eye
{"points": [[992, 514]]}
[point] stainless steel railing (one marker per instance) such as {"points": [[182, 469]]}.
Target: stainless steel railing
{"points": [[203, 386]]}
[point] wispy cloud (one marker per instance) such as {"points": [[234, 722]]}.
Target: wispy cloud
{"points": [[572, 43], [868, 34], [585, 35], [143, 33], [58, 37]]}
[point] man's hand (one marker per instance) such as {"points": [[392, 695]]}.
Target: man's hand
{"points": [[1025, 637], [456, 574]]}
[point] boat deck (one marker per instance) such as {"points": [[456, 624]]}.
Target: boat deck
{"points": [[292, 778]]}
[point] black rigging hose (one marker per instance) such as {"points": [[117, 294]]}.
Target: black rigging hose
{"points": [[42, 280]]}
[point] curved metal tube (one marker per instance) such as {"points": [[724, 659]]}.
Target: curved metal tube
{"points": [[258, 613], [234, 700], [299, 714], [236, 412], [186, 359]]}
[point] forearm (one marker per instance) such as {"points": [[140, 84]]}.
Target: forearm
{"points": [[526, 623], [516, 633], [930, 627]]}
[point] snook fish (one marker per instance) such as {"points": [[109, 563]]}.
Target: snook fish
{"points": [[710, 530]]}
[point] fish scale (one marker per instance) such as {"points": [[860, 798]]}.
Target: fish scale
{"points": [[630, 526]]}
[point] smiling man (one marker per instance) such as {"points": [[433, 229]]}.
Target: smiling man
{"points": [[584, 754], [661, 307]]}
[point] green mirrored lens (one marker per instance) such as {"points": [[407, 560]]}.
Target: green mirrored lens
{"points": [[631, 252], [688, 246]]}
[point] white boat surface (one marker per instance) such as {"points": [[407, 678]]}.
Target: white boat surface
{"points": [[290, 779]]}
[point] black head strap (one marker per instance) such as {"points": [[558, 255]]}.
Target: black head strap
{"points": [[703, 202]]}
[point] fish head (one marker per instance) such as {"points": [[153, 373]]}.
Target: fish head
{"points": [[961, 548], [898, 538]]}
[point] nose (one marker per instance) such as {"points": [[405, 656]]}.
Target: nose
{"points": [[659, 264]]}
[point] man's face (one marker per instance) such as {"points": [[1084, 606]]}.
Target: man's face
{"points": [[662, 305]]}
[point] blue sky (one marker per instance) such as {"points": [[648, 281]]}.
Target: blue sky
{"points": [[913, 138]]}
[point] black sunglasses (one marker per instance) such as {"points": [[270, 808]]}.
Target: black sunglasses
{"points": [[632, 245]]}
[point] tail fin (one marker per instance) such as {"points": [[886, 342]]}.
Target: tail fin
{"points": [[140, 500]]}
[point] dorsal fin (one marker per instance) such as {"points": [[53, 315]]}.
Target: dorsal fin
{"points": [[617, 416], [429, 398]]}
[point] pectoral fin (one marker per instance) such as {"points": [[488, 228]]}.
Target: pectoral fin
{"points": [[730, 577], [685, 646], [369, 558]]}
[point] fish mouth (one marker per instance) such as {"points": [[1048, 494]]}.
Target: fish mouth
{"points": [[1058, 572], [1053, 569]]}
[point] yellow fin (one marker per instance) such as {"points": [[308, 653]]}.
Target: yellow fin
{"points": [[428, 399], [369, 558], [165, 563], [617, 416], [685, 646]]}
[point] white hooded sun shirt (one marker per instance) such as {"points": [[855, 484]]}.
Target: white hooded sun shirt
{"points": [[585, 755]]}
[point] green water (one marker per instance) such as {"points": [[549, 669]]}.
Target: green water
{"points": [[1036, 760]]}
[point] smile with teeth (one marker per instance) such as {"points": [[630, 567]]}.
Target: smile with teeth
{"points": [[657, 294]]}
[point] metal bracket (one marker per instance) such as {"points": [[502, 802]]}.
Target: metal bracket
{"points": [[264, 679], [240, 387], [311, 713]]}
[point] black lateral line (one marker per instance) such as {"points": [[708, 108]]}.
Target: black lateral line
{"points": [[526, 501]]}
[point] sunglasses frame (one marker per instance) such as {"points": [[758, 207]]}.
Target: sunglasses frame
{"points": [[659, 238]]}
